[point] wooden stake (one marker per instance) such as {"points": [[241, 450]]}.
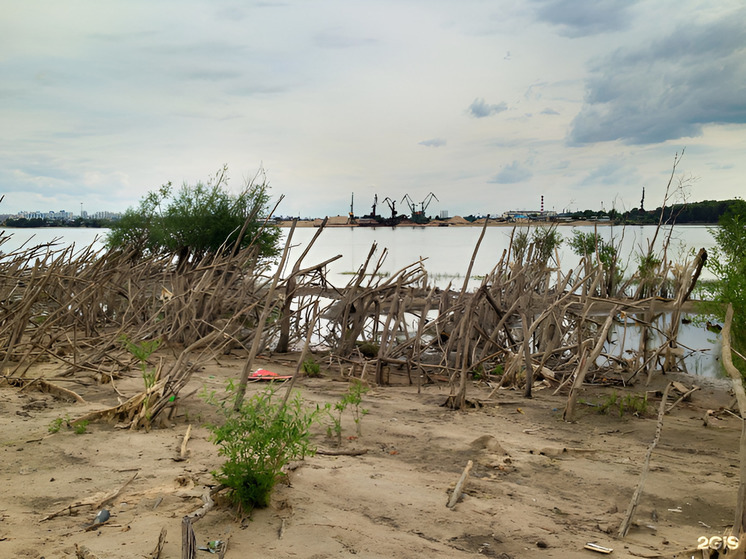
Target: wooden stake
{"points": [[460, 485], [183, 451], [188, 539]]}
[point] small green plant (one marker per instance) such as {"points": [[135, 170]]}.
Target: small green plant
{"points": [[353, 397], [311, 368], [499, 370], [142, 353], [632, 403], [80, 427], [257, 440], [635, 404], [478, 373], [335, 429], [56, 425]]}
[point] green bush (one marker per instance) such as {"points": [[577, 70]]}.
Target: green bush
{"points": [[197, 220], [257, 441], [727, 261]]}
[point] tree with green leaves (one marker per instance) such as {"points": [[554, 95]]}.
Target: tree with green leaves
{"points": [[197, 220], [727, 261]]}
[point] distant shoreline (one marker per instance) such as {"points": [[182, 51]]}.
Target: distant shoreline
{"points": [[480, 223]]}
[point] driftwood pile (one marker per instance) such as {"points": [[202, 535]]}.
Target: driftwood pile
{"points": [[526, 322]]}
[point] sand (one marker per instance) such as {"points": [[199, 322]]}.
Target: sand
{"points": [[539, 487]]}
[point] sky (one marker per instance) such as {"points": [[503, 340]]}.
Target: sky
{"points": [[487, 104]]}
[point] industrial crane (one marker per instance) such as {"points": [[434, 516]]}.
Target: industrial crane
{"points": [[410, 203], [427, 200], [418, 216], [392, 206]]}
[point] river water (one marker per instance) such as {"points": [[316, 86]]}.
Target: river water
{"points": [[447, 252]]}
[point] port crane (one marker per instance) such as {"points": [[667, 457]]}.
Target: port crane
{"points": [[426, 202], [418, 216], [392, 206], [410, 203]]}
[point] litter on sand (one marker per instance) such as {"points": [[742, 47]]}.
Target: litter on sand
{"points": [[263, 374]]}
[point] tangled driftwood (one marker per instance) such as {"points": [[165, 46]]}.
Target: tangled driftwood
{"points": [[527, 317]]}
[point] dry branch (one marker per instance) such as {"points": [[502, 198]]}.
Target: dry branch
{"points": [[156, 553], [58, 391], [624, 527], [96, 501], [341, 452]]}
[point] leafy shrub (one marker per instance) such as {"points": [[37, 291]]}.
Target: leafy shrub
{"points": [[257, 441], [197, 220], [727, 262]]}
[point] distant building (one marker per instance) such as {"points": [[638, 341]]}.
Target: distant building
{"points": [[107, 215], [529, 215], [64, 215]]}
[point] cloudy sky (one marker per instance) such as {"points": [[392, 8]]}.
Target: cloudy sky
{"points": [[488, 104]]}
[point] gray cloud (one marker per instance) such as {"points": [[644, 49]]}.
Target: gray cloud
{"points": [[549, 111], [669, 89], [339, 39], [580, 18], [480, 109], [433, 142], [611, 174], [512, 173]]}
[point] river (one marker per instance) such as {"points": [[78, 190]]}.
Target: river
{"points": [[446, 250]]}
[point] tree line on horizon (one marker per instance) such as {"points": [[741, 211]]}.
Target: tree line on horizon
{"points": [[707, 212]]}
